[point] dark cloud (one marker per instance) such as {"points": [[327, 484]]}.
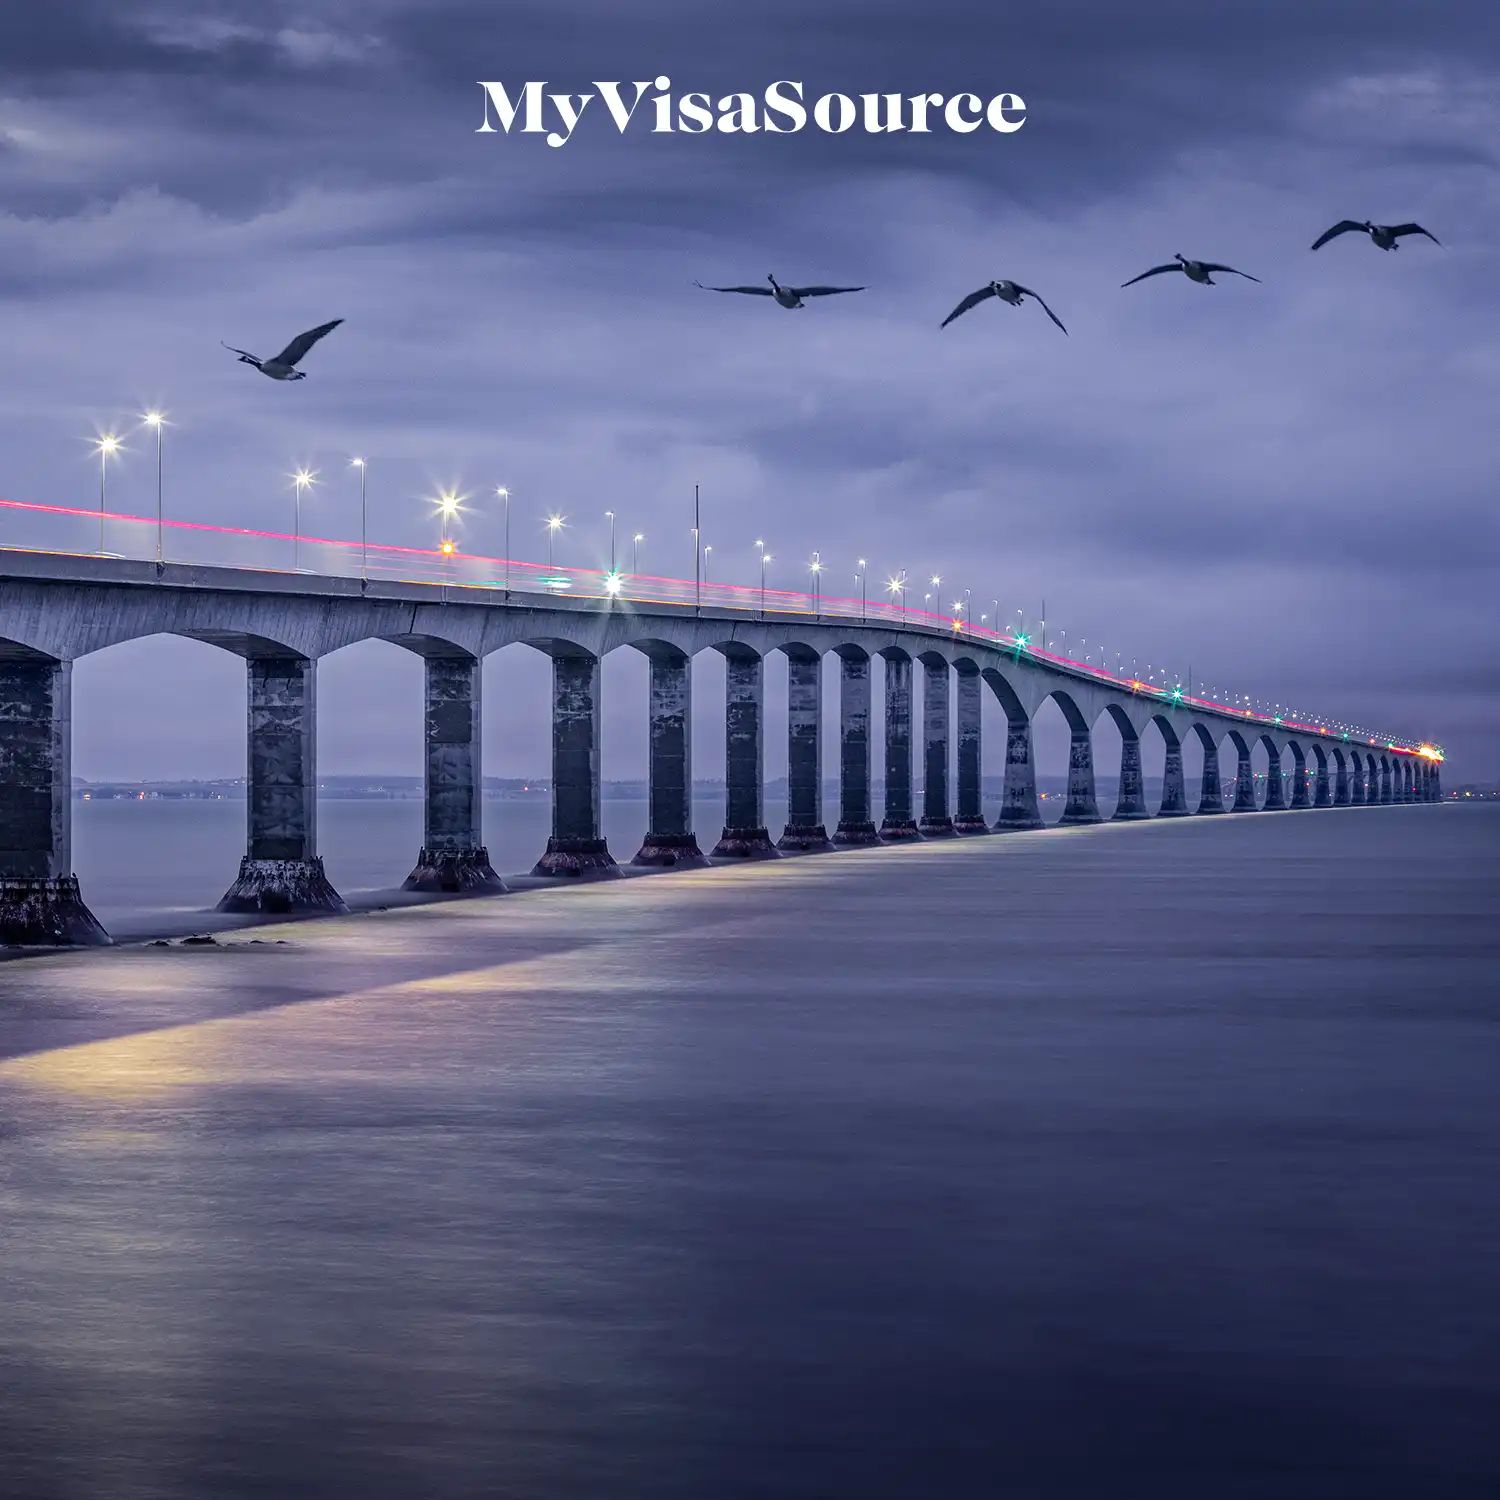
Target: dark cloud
{"points": [[1288, 485]]}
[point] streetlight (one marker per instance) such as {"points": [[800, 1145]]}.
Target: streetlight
{"points": [[969, 606], [611, 515], [897, 585], [364, 546], [635, 553], [765, 557], [301, 480], [555, 523], [449, 503], [708, 549], [106, 447], [815, 567], [861, 576], [157, 420], [504, 494]]}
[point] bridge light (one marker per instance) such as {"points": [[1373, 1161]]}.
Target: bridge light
{"points": [[153, 418], [613, 583], [447, 547], [356, 463]]}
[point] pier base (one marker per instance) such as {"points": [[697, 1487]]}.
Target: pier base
{"points": [[667, 851], [745, 843], [577, 859], [453, 870], [275, 887], [47, 914]]}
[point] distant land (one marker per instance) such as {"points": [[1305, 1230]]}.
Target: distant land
{"points": [[385, 788]]}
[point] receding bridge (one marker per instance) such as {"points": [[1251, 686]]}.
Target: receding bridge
{"points": [[55, 609]]}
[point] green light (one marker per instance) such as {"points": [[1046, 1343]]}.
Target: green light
{"points": [[1023, 640], [1277, 719], [1177, 695]]}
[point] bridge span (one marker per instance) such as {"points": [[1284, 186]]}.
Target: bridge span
{"points": [[55, 608]]}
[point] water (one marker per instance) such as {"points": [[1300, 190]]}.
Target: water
{"points": [[1149, 1160]]}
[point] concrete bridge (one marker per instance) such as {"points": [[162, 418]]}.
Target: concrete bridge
{"points": [[54, 610]]}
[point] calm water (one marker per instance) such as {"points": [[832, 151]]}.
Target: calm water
{"points": [[1152, 1160]]}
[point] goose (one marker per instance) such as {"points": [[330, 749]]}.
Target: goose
{"points": [[283, 367], [1195, 270], [787, 296], [1384, 235], [1007, 291]]}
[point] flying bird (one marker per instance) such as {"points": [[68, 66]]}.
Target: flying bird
{"points": [[1200, 271], [284, 366], [1384, 235], [787, 296], [1007, 291]]}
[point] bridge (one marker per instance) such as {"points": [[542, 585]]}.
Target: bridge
{"points": [[61, 602]]}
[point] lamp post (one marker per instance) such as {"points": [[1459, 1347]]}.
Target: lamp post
{"points": [[863, 568], [706, 551], [635, 551], [968, 608], [364, 534], [157, 420], [301, 480], [448, 505], [555, 523], [897, 585], [765, 557], [611, 515], [815, 567], [504, 494], [106, 447]]}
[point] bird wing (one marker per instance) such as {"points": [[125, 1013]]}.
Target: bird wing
{"points": [[244, 353], [1154, 271], [972, 300], [303, 342], [1208, 265], [1027, 290], [1415, 229], [1342, 227], [750, 291], [822, 291]]}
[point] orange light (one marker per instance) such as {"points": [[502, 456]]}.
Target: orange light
{"points": [[447, 548]]}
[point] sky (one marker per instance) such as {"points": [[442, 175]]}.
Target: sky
{"points": [[1288, 486]]}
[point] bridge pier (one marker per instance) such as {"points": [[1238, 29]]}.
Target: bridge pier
{"points": [[1301, 792], [804, 756], [1082, 806], [282, 870], [898, 822], [1437, 784], [1211, 790], [1323, 794], [855, 826], [576, 849], [1018, 804], [1341, 782], [40, 903], [1408, 790], [1386, 796], [1244, 782], [670, 842], [744, 835], [1173, 784], [1131, 806], [936, 821], [453, 856], [969, 692], [1275, 783]]}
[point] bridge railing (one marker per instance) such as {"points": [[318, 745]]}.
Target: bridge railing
{"points": [[86, 531]]}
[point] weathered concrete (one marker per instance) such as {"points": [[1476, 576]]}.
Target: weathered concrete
{"points": [[1173, 783], [1082, 806], [40, 902], [1386, 794], [576, 849], [453, 856], [1356, 781], [1343, 781], [281, 870], [1275, 781], [936, 820], [898, 822], [1301, 778], [1244, 781], [1130, 805], [856, 826], [745, 835], [1211, 792], [804, 832], [1437, 783], [1323, 790], [1018, 805], [670, 842], [969, 691]]}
